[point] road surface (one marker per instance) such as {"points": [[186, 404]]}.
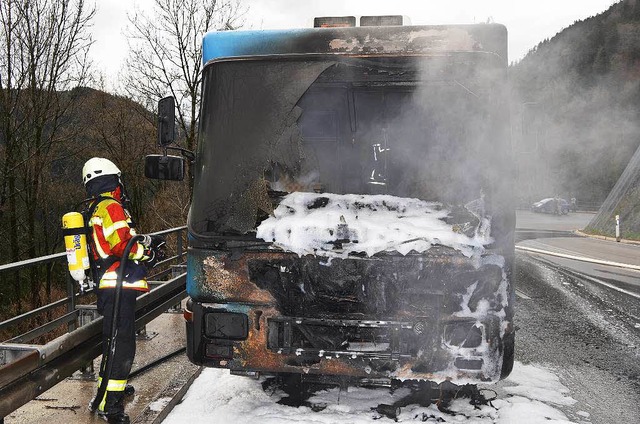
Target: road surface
{"points": [[578, 311], [588, 333]]}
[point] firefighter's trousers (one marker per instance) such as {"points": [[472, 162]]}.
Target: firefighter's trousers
{"points": [[125, 345]]}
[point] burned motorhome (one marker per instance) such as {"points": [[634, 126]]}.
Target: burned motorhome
{"points": [[352, 211]]}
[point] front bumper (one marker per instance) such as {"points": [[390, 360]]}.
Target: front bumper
{"points": [[256, 339]]}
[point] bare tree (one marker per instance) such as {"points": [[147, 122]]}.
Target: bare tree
{"points": [[166, 53], [43, 54]]}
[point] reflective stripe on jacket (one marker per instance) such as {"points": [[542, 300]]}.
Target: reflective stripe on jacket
{"points": [[111, 225]]}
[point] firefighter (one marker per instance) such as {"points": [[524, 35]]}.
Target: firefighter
{"points": [[111, 229]]}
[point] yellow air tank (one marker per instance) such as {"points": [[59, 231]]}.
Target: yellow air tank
{"points": [[75, 242]]}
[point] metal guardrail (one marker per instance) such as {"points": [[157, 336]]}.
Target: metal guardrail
{"points": [[27, 370], [72, 295], [70, 300]]}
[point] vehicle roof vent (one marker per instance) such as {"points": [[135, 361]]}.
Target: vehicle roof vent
{"points": [[334, 21], [388, 20]]}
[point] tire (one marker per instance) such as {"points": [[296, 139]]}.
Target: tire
{"points": [[508, 350]]}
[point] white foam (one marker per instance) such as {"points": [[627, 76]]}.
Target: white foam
{"points": [[370, 223]]}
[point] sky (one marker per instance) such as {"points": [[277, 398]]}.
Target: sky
{"points": [[528, 22]]}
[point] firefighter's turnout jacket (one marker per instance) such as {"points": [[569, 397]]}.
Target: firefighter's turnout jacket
{"points": [[112, 229]]}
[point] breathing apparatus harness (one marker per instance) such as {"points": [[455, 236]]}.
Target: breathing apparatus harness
{"points": [[77, 232]]}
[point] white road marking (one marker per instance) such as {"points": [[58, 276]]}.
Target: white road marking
{"points": [[611, 286], [579, 258], [587, 277]]}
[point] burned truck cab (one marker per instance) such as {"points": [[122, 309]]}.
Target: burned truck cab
{"points": [[352, 213]]}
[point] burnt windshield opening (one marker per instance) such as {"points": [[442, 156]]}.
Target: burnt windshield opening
{"points": [[409, 127]]}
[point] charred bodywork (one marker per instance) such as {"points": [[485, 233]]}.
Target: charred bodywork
{"points": [[432, 316], [352, 211]]}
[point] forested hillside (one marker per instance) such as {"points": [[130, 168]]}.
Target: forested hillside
{"points": [[50, 123], [576, 104], [47, 182]]}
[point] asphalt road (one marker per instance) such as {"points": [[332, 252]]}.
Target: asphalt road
{"points": [[580, 318], [609, 263]]}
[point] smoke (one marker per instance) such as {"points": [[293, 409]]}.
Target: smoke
{"points": [[454, 129], [575, 108], [433, 127]]}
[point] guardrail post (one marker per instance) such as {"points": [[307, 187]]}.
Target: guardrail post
{"points": [[177, 308], [71, 305], [86, 315], [179, 243]]}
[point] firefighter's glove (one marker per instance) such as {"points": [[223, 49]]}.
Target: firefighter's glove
{"points": [[153, 241], [155, 251], [152, 256]]}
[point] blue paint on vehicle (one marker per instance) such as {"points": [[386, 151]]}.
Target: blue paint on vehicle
{"points": [[250, 43]]}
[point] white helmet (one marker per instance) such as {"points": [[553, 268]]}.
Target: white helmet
{"points": [[96, 167]]}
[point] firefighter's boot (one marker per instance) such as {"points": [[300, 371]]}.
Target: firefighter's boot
{"points": [[117, 418], [113, 409]]}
